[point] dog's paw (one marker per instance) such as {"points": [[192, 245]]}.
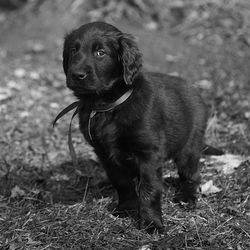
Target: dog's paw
{"points": [[133, 213], [150, 220], [151, 226], [186, 200], [187, 194], [125, 209], [120, 213]]}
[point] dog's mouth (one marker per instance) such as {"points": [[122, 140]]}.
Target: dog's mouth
{"points": [[84, 87], [80, 87]]}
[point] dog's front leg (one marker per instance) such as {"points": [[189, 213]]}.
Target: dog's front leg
{"points": [[149, 190], [122, 180]]}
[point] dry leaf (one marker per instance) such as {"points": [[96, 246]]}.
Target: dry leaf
{"points": [[36, 47], [5, 94], [13, 85], [30, 241], [145, 247], [152, 25], [17, 192], [204, 84], [172, 58], [20, 73], [227, 163], [209, 188], [34, 75], [60, 177]]}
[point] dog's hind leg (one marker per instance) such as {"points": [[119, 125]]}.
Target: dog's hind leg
{"points": [[189, 173]]}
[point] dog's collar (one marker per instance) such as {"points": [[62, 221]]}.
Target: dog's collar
{"points": [[76, 105], [116, 103], [109, 107]]}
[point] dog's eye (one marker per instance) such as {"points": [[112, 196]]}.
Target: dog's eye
{"points": [[100, 53], [73, 51]]}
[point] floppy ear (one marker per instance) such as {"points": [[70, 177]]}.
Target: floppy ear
{"points": [[130, 57], [66, 54]]}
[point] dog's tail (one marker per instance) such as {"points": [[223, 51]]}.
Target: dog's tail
{"points": [[209, 150]]}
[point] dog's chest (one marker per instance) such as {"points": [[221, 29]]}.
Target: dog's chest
{"points": [[98, 128], [105, 135]]}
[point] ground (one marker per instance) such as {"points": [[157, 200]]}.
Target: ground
{"points": [[46, 203]]}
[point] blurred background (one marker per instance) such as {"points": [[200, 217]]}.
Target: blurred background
{"points": [[206, 42]]}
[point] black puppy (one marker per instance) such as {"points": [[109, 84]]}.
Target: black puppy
{"points": [[134, 120]]}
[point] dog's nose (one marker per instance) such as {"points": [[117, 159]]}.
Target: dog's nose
{"points": [[78, 75]]}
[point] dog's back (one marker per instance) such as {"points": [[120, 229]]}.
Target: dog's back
{"points": [[178, 110]]}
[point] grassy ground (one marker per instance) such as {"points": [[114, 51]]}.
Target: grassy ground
{"points": [[47, 204]]}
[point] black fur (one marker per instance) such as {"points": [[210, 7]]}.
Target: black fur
{"points": [[163, 118]]}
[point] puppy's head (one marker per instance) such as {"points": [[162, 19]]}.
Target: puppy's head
{"points": [[97, 56]]}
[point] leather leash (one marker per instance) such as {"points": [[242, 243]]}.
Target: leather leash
{"points": [[76, 106]]}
